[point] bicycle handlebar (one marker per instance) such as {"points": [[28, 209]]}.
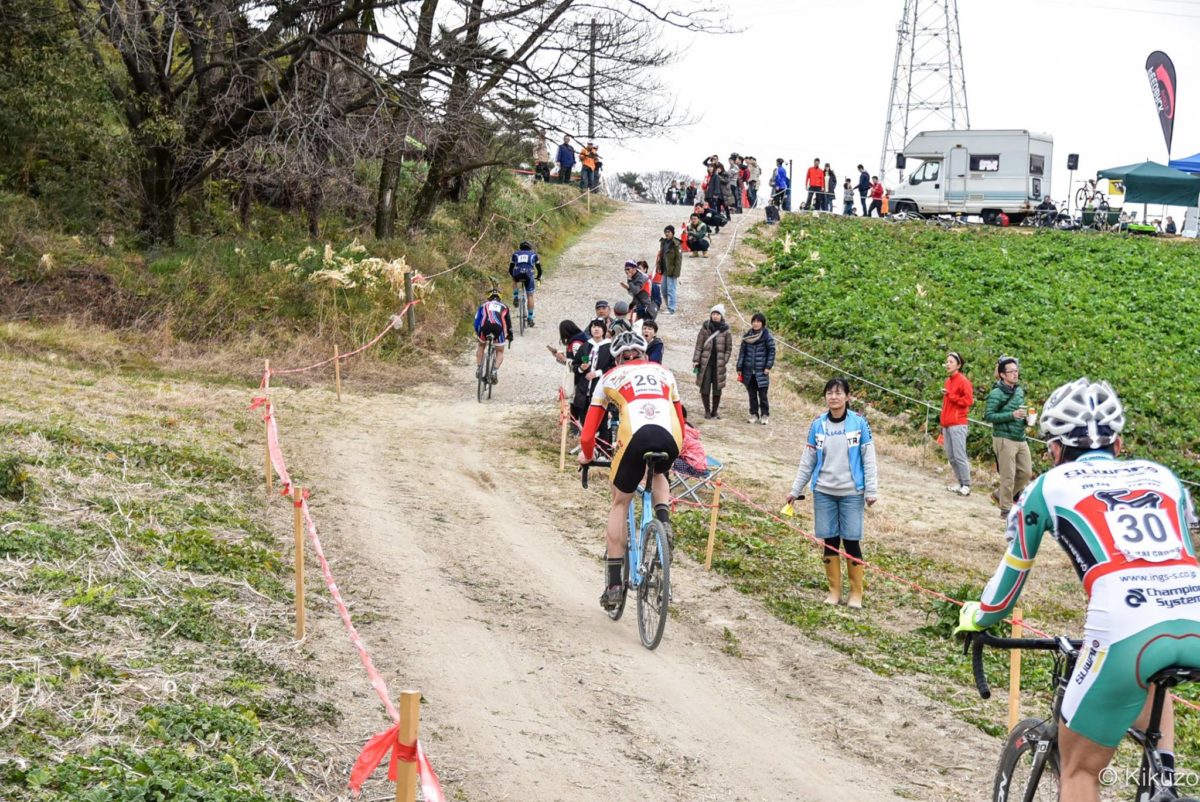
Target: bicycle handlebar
{"points": [[583, 470], [977, 640]]}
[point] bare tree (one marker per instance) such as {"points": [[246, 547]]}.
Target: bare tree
{"points": [[513, 66], [657, 183], [197, 79]]}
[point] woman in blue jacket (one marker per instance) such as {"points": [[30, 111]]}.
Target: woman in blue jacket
{"points": [[839, 465], [756, 357]]}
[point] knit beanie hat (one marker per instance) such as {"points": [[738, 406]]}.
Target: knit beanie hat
{"points": [[719, 309]]}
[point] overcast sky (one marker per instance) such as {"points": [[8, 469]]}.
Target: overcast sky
{"points": [[811, 78]]}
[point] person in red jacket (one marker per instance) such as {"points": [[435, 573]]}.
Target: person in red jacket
{"points": [[814, 179], [957, 397], [876, 197]]}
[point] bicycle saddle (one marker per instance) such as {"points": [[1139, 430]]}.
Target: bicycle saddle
{"points": [[657, 458], [1175, 675]]}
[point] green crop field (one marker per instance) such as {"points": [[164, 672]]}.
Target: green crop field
{"points": [[886, 301]]}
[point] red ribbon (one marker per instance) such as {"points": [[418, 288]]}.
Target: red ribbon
{"points": [[378, 748]]}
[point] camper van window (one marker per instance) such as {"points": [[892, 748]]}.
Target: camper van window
{"points": [[1037, 165], [985, 164], [926, 172]]}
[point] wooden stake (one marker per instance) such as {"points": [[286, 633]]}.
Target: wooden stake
{"points": [[297, 499], [267, 429], [1014, 673], [410, 316], [337, 371], [925, 439], [406, 773], [712, 525], [562, 443]]}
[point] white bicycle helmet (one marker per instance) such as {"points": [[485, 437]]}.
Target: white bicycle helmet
{"points": [[628, 341], [1083, 414]]}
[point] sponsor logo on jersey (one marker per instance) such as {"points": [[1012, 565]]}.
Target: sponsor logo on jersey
{"points": [[1128, 499], [649, 411], [1089, 661], [1122, 469], [1168, 597]]}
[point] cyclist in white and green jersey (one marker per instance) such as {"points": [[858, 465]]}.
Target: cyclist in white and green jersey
{"points": [[1124, 525]]}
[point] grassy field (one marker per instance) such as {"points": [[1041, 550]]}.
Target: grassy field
{"points": [[886, 301], [146, 633]]}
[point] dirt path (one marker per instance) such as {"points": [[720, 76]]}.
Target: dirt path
{"points": [[477, 565]]}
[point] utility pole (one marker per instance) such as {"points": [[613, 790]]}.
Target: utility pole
{"points": [[592, 80]]}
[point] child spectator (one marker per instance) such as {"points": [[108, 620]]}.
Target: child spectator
{"points": [[848, 199], [654, 344]]}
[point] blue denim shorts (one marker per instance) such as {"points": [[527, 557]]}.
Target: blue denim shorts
{"points": [[838, 516]]}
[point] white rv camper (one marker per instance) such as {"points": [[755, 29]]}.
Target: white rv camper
{"points": [[975, 172]]}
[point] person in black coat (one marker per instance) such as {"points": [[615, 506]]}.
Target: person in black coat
{"points": [[756, 358], [864, 186]]}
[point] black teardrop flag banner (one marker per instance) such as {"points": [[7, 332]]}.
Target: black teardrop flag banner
{"points": [[1161, 73]]}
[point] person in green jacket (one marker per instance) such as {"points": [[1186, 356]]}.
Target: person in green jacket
{"points": [[1006, 411], [670, 264]]}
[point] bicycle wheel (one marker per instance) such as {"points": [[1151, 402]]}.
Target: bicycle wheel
{"points": [[491, 367], [1028, 769], [1081, 197], [484, 376], [485, 381], [654, 591]]}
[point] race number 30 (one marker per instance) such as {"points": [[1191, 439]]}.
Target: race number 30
{"points": [[1144, 533]]}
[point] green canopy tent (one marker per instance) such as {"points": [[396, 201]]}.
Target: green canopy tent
{"points": [[1150, 182]]}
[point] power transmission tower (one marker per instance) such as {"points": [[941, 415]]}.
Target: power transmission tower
{"points": [[929, 91]]}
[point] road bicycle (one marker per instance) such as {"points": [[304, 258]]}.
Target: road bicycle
{"points": [[484, 382], [1029, 763], [522, 304], [647, 568]]}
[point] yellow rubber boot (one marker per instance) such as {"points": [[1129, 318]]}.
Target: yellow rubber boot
{"points": [[855, 570], [833, 572]]}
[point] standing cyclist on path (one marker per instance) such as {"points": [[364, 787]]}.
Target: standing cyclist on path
{"points": [[1124, 525], [526, 269], [492, 318], [651, 419]]}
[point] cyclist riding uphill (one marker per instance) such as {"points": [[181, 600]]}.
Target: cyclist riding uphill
{"points": [[646, 397], [492, 319], [526, 269], [1124, 525]]}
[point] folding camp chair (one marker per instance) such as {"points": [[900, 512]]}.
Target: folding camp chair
{"points": [[687, 484]]}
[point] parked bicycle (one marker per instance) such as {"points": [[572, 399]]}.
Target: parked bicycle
{"points": [[1029, 763], [1048, 218], [484, 381], [1090, 195], [647, 569]]}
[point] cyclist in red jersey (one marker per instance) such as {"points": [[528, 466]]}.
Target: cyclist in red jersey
{"points": [[651, 420]]}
